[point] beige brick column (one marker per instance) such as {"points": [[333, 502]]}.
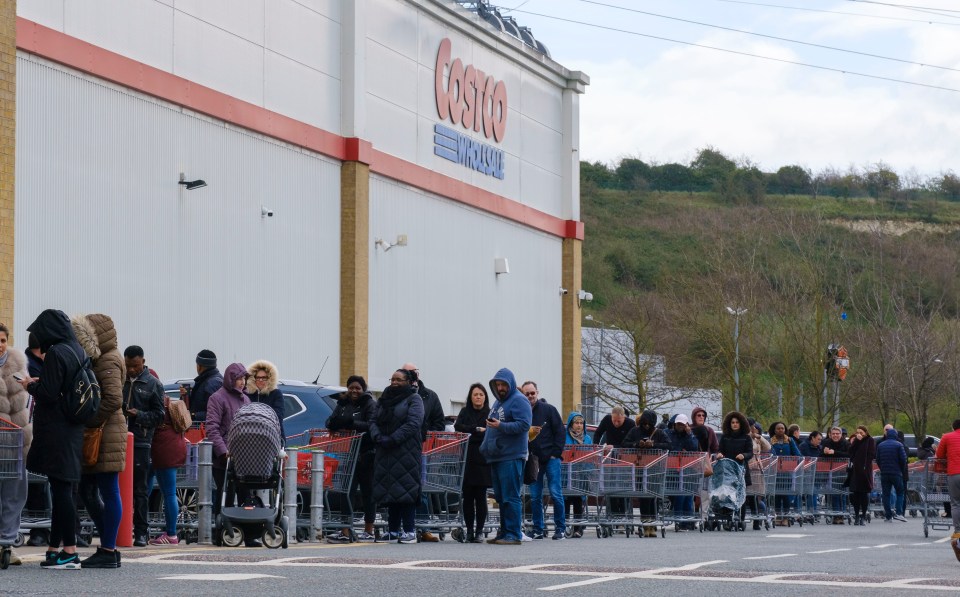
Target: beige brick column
{"points": [[8, 140], [354, 268], [571, 316]]}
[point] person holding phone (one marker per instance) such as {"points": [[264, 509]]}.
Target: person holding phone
{"points": [[546, 445], [14, 408], [476, 477]]}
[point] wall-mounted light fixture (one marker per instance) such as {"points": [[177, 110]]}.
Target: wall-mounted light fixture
{"points": [[501, 265], [583, 297], [191, 184], [386, 245]]}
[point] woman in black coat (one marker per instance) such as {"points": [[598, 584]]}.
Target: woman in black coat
{"points": [[860, 476], [396, 473], [355, 411], [737, 445], [476, 477]]}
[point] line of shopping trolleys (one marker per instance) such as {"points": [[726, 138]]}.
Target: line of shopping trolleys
{"points": [[624, 491]]}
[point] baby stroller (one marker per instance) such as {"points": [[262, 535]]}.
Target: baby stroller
{"points": [[727, 494], [255, 463]]}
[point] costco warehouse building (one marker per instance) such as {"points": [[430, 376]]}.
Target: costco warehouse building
{"points": [[386, 181]]}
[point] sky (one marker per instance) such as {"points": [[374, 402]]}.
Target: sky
{"points": [[661, 101]]}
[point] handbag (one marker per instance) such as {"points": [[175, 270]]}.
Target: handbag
{"points": [[708, 468], [531, 470], [180, 418], [91, 444]]}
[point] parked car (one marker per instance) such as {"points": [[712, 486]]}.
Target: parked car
{"points": [[305, 405], [910, 443]]}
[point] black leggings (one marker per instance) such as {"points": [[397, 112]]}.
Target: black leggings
{"points": [[860, 501], [362, 479], [475, 507], [63, 521]]}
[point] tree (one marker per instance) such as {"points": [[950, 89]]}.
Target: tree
{"points": [[948, 185], [794, 180], [881, 181], [712, 167], [673, 177], [633, 175], [596, 174]]}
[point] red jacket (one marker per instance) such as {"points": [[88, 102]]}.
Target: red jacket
{"points": [[949, 448]]}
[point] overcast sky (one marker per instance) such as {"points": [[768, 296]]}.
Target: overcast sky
{"points": [[661, 100]]}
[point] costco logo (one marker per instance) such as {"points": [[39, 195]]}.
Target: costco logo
{"points": [[468, 97]]}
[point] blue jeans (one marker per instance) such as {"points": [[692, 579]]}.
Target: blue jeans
{"points": [[550, 469], [507, 479], [167, 480], [890, 481]]}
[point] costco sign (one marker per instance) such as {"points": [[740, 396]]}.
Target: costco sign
{"points": [[468, 97]]}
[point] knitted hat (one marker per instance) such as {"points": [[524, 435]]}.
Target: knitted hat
{"points": [[206, 358]]}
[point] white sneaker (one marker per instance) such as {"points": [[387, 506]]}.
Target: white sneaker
{"points": [[408, 538], [525, 537], [899, 517]]}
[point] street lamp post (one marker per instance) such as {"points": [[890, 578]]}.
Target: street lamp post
{"points": [[736, 312]]}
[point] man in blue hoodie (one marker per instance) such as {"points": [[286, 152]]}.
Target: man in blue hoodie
{"points": [[505, 448], [892, 461]]}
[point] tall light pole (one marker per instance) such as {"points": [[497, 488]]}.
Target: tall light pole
{"points": [[736, 312]]}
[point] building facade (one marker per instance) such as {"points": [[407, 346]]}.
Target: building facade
{"points": [[384, 181]]}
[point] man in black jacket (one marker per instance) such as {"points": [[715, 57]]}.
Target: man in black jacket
{"points": [[548, 437], [433, 420], [207, 381], [143, 407], [836, 447]]}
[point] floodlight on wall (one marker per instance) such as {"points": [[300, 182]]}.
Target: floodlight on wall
{"points": [[191, 184], [501, 265], [584, 297], [387, 245]]}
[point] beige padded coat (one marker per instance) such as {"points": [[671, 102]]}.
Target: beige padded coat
{"points": [[98, 337]]}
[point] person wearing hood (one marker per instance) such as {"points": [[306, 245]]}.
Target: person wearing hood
{"points": [[221, 408], [355, 411], [262, 380], [892, 461], [548, 438], [476, 477], [433, 420], [505, 447], [681, 439], [576, 435], [143, 405], [699, 420], [647, 436], [100, 483], [395, 432], [205, 384], [14, 407], [57, 441]]}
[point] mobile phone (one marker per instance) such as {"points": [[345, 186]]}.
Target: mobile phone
{"points": [[17, 377]]}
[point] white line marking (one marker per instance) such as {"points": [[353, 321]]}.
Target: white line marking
{"points": [[219, 577], [830, 550], [781, 555], [944, 540], [885, 545], [645, 574], [580, 583], [923, 543], [865, 547], [787, 536]]}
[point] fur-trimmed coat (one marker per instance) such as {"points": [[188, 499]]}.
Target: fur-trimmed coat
{"points": [[13, 398], [98, 338], [270, 395]]}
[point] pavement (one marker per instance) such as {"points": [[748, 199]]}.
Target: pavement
{"points": [[879, 558]]}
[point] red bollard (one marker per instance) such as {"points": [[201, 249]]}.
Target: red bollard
{"points": [[125, 534]]}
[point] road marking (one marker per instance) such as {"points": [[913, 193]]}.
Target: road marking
{"points": [[923, 543], [885, 545], [645, 574], [787, 536], [780, 555], [944, 540], [218, 576], [830, 550]]}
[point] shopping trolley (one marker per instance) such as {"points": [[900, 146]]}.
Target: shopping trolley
{"points": [[788, 488], [914, 503], [632, 473], [573, 484], [444, 461], [933, 493], [763, 479], [829, 479], [11, 467], [340, 450], [683, 481]]}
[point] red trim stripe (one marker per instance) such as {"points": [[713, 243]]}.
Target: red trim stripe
{"points": [[83, 56]]}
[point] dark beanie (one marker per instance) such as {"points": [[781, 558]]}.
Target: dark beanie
{"points": [[206, 358]]}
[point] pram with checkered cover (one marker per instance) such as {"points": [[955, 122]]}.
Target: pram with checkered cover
{"points": [[255, 466]]}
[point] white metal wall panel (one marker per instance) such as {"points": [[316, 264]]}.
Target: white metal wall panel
{"points": [[437, 301], [139, 30], [103, 226], [241, 18], [300, 92], [303, 35]]}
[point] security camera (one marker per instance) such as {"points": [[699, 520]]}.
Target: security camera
{"points": [[563, 291], [266, 212]]}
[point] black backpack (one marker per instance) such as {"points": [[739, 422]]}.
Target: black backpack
{"points": [[82, 401]]}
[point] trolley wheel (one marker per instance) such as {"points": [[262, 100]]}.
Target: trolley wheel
{"points": [[606, 532], [285, 526], [766, 525], [599, 533], [926, 532], [5, 558], [275, 542], [20, 540], [457, 535], [237, 539], [913, 513], [700, 524], [663, 532]]}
